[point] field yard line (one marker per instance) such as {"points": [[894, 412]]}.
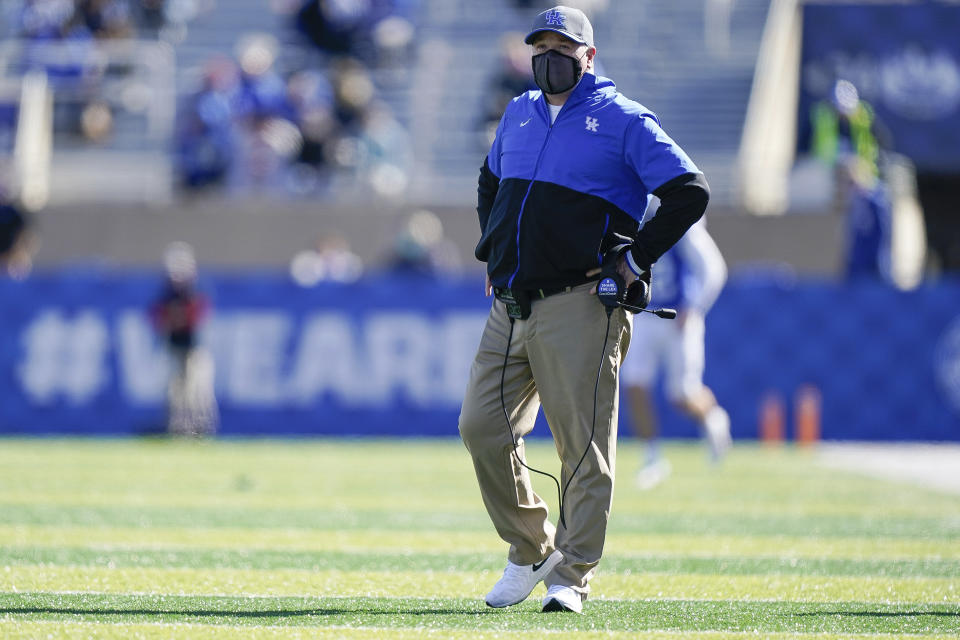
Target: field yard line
{"points": [[116, 497], [931, 466], [474, 542], [161, 630], [407, 598], [182, 554], [306, 583]]}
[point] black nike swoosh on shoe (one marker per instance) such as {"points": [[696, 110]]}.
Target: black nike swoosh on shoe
{"points": [[537, 565]]}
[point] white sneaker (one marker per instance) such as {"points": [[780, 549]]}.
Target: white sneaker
{"points": [[717, 427], [653, 473], [561, 598], [519, 580]]}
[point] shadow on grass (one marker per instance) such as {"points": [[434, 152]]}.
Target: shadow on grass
{"points": [[881, 614], [215, 613]]}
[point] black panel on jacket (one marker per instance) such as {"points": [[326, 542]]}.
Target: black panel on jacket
{"points": [[562, 234], [682, 202]]}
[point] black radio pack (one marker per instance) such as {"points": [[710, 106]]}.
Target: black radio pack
{"points": [[516, 302]]}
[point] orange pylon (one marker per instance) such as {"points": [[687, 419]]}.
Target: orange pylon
{"points": [[806, 413], [772, 418]]}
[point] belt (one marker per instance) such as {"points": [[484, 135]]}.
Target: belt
{"points": [[533, 294]]}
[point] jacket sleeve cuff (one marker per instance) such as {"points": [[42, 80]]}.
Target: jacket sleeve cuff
{"points": [[637, 259], [633, 264]]}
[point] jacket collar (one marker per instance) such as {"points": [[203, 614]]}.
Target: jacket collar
{"points": [[590, 90]]}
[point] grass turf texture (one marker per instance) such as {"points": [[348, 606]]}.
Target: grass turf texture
{"points": [[386, 539]]}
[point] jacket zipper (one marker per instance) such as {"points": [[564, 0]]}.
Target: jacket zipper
{"points": [[536, 168], [606, 225]]}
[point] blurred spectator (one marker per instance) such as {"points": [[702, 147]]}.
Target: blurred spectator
{"points": [[689, 278], [331, 261], [46, 19], [96, 121], [844, 125], [393, 39], [151, 15], [353, 90], [252, 130], [17, 241], [60, 35], [513, 76], [420, 248], [260, 91], [265, 148], [385, 156], [372, 144], [869, 221], [337, 27], [267, 140], [311, 98], [177, 314], [167, 19], [379, 32], [106, 19], [205, 141]]}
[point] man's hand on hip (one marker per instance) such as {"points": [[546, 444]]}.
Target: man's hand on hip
{"points": [[623, 268]]}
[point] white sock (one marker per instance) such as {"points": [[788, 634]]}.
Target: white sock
{"points": [[717, 421], [653, 452]]}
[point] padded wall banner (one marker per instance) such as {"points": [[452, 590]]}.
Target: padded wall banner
{"points": [[905, 60], [391, 356], [382, 356]]}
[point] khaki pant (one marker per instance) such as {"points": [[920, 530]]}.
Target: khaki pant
{"points": [[553, 360]]}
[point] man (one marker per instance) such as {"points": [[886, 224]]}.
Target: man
{"points": [[845, 125], [689, 278], [17, 241], [569, 174], [869, 222], [177, 314]]}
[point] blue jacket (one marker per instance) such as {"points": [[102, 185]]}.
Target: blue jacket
{"points": [[551, 197]]}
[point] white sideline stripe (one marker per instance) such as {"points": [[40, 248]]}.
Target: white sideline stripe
{"points": [[931, 466]]}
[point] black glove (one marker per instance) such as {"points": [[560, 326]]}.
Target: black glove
{"points": [[612, 289]]}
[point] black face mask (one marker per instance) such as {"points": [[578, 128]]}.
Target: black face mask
{"points": [[555, 72]]}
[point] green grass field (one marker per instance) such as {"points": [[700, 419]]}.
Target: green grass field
{"points": [[388, 539]]}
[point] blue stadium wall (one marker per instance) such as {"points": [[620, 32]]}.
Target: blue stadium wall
{"points": [[904, 59], [390, 356]]}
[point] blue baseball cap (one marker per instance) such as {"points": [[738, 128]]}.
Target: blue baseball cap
{"points": [[566, 21]]}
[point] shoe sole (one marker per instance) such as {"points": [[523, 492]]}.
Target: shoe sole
{"points": [[554, 605]]}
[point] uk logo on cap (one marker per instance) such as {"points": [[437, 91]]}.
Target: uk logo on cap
{"points": [[554, 17]]}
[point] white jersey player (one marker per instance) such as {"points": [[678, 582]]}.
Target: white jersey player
{"points": [[689, 278]]}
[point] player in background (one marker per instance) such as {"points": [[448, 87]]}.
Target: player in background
{"points": [[177, 314], [17, 240], [688, 278]]}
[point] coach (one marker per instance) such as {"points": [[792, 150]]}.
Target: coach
{"points": [[569, 174]]}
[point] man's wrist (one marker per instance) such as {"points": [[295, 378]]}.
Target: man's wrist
{"points": [[632, 263]]}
